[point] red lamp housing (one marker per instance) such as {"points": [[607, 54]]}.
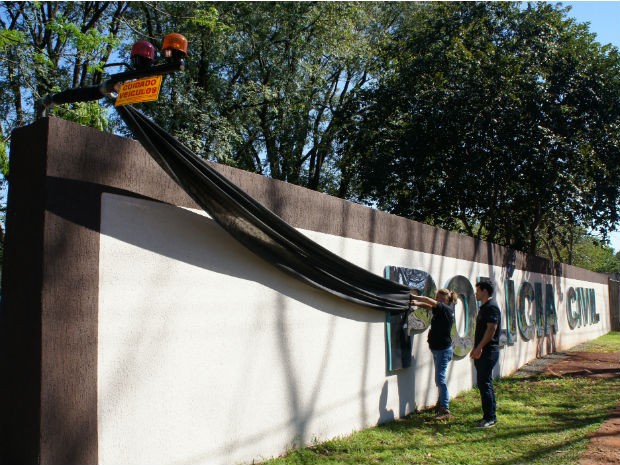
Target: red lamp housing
{"points": [[142, 54]]}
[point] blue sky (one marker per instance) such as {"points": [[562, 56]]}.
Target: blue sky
{"points": [[604, 19]]}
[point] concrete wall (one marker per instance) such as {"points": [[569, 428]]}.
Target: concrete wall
{"points": [[614, 302], [135, 330]]}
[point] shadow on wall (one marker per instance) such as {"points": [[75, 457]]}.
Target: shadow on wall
{"points": [[406, 390], [189, 237], [198, 228], [385, 415], [405, 394]]}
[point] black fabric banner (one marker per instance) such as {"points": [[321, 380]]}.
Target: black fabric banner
{"points": [[259, 229]]}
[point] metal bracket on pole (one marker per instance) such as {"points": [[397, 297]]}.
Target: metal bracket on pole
{"points": [[91, 93]]}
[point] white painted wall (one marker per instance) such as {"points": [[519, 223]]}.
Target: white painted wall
{"points": [[209, 355]]}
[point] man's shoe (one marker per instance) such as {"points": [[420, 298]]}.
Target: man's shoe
{"points": [[486, 423], [443, 414]]}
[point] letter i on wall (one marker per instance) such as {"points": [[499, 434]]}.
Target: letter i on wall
{"points": [[511, 310], [541, 321]]}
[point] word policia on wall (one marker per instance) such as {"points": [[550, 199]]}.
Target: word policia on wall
{"points": [[528, 312]]}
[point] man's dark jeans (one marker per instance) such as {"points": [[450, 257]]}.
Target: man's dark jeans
{"points": [[484, 376]]}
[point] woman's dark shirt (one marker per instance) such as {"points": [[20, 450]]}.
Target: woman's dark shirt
{"points": [[441, 326]]}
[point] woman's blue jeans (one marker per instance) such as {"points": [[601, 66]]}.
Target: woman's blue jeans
{"points": [[442, 359], [484, 376]]}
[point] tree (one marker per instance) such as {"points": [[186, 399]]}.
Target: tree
{"points": [[497, 121], [494, 119], [581, 249], [269, 83], [51, 46], [596, 256]]}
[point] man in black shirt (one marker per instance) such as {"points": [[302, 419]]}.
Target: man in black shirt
{"points": [[486, 350]]}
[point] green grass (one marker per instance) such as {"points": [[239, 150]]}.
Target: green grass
{"points": [[542, 420], [610, 342]]}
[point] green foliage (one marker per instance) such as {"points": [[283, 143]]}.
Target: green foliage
{"points": [[497, 121], [85, 113], [10, 38], [269, 83], [596, 256], [4, 159], [575, 246], [51, 45]]}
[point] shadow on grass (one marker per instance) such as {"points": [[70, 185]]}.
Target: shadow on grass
{"points": [[422, 424], [508, 435], [546, 420]]}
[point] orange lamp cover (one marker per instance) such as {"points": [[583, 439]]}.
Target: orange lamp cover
{"points": [[176, 42]]}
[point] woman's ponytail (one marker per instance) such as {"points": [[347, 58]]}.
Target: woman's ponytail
{"points": [[451, 296]]}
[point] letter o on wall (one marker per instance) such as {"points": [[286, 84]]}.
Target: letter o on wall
{"points": [[464, 344]]}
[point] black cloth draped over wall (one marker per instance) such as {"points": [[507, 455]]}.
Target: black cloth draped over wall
{"points": [[259, 229]]}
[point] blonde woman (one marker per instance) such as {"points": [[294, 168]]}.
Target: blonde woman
{"points": [[440, 340]]}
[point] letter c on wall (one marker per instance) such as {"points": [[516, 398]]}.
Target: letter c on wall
{"points": [[574, 318]]}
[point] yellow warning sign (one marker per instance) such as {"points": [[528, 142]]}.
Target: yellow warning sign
{"points": [[140, 90]]}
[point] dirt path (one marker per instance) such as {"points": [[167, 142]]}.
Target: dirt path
{"points": [[604, 447]]}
